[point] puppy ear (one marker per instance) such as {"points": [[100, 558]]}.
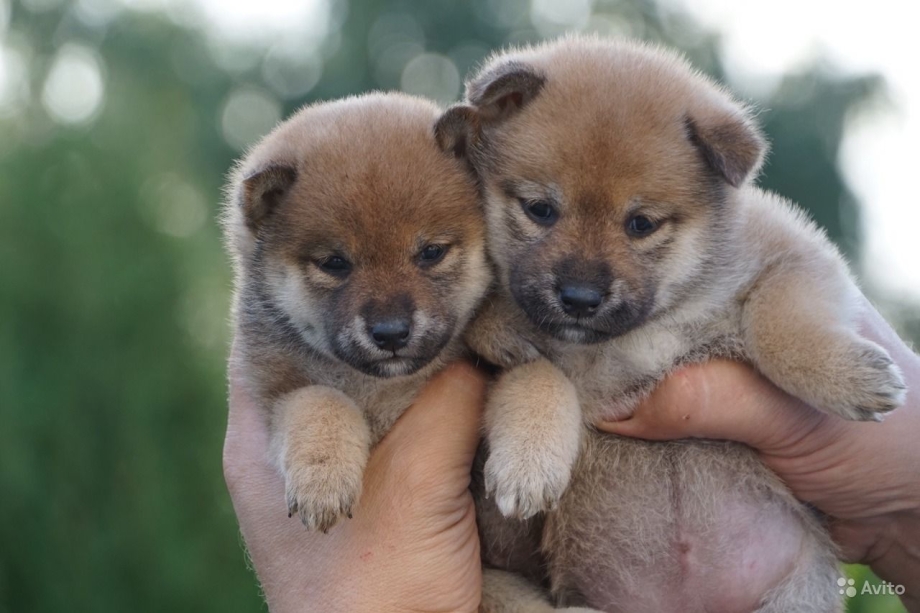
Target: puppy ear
{"points": [[504, 90], [731, 144], [261, 192], [457, 130]]}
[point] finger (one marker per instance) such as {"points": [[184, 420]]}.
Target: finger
{"points": [[245, 459], [444, 420], [240, 402], [422, 466], [720, 400], [247, 429]]}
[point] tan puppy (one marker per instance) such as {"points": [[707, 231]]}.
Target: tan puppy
{"points": [[360, 256], [629, 241]]}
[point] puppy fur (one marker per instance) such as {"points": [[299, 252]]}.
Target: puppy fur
{"points": [[629, 240], [359, 252]]}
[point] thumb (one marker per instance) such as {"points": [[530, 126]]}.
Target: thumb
{"points": [[720, 400], [443, 424]]}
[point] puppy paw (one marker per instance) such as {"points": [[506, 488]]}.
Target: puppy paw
{"points": [[867, 386], [493, 336], [510, 355], [501, 348], [321, 494], [321, 443], [533, 427], [524, 481]]}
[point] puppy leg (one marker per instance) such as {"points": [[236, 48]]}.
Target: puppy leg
{"points": [[533, 428], [798, 330], [504, 592], [320, 442]]}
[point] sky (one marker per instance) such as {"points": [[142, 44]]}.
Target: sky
{"points": [[879, 154]]}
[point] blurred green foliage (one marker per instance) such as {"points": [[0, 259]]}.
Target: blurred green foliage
{"points": [[114, 289]]}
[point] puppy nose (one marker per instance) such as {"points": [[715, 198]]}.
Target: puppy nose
{"points": [[391, 334], [579, 300]]}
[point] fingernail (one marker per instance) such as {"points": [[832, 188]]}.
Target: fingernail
{"points": [[613, 425]]}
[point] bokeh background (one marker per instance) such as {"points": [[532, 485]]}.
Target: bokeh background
{"points": [[118, 121]]}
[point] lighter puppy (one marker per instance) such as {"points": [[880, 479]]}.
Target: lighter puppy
{"points": [[629, 240]]}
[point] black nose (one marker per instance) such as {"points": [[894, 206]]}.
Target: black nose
{"points": [[579, 300], [391, 334]]}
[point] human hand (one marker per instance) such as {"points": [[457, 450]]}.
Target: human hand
{"points": [[864, 476], [412, 544]]}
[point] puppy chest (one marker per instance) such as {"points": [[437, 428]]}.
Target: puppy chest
{"points": [[383, 401], [612, 377]]}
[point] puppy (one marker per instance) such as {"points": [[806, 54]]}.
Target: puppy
{"points": [[629, 240], [359, 251]]}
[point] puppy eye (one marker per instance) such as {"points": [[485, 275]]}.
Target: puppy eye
{"points": [[335, 265], [640, 226], [540, 211], [431, 253]]}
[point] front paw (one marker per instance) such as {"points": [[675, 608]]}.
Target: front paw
{"points": [[533, 427], [321, 494], [320, 443], [525, 481], [500, 348], [494, 336], [869, 384]]}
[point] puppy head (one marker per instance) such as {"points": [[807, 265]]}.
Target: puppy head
{"points": [[607, 169], [361, 232]]}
